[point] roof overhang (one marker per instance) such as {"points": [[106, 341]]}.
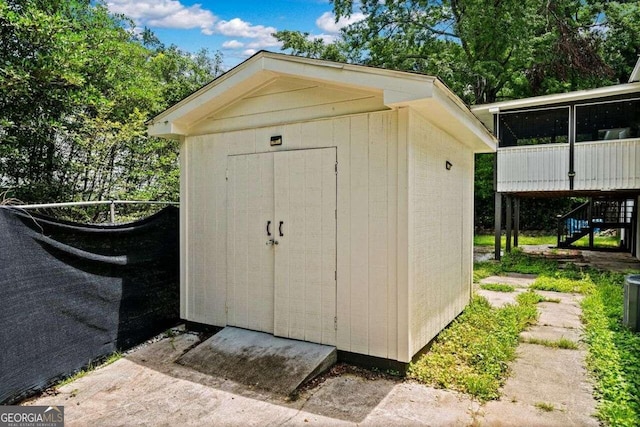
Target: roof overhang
{"points": [[398, 89], [486, 112]]}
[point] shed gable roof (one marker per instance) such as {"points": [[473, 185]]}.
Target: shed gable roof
{"points": [[262, 73]]}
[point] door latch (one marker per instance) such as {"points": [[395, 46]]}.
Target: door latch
{"points": [[272, 242]]}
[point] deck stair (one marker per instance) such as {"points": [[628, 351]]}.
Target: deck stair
{"points": [[598, 214]]}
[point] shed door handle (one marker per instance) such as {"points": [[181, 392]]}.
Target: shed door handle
{"points": [[268, 225], [280, 228]]}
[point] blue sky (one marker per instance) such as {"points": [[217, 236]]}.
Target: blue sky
{"points": [[236, 28]]}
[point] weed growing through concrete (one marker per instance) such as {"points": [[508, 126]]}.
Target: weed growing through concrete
{"points": [[562, 343], [497, 287], [113, 357], [544, 406]]}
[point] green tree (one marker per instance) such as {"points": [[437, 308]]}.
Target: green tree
{"points": [[76, 86], [487, 50]]}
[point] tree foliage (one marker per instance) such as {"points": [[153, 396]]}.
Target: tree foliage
{"points": [[76, 86], [490, 50], [487, 50]]}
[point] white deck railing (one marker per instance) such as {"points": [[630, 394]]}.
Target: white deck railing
{"points": [[607, 165], [598, 165], [533, 168]]}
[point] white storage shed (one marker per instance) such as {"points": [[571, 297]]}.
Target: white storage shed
{"points": [[326, 202]]}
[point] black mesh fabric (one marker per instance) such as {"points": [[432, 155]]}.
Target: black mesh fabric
{"points": [[73, 293]]}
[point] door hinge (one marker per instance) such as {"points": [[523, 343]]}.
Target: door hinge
{"points": [[335, 323], [335, 275], [336, 168], [226, 174]]}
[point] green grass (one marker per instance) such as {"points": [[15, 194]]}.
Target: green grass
{"points": [[515, 262], [560, 284], [614, 351], [489, 240], [471, 355], [562, 343], [497, 287], [599, 241], [482, 270], [113, 357]]}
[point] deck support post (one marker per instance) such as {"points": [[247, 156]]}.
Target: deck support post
{"points": [[509, 225], [590, 219], [516, 221], [498, 225]]}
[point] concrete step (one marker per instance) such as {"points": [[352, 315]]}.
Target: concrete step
{"points": [[259, 359]]}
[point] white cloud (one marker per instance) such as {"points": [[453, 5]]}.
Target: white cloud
{"points": [[174, 14], [260, 35], [239, 28], [165, 14], [232, 44], [327, 21]]}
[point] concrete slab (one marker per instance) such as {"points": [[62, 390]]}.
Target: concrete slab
{"points": [[412, 404], [621, 262], [260, 360], [550, 376], [148, 388], [560, 315], [499, 299]]}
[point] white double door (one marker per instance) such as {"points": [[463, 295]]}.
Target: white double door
{"points": [[281, 243]]}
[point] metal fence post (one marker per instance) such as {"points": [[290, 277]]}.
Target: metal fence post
{"points": [[112, 211]]}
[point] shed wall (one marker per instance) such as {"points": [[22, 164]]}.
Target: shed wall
{"points": [[440, 229], [370, 211]]}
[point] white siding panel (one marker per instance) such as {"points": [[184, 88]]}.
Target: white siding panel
{"points": [[359, 234], [205, 170], [533, 168], [378, 241], [439, 285], [405, 298], [328, 247], [391, 136], [342, 139], [607, 165]]}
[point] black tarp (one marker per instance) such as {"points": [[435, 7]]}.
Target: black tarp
{"points": [[73, 293]]}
